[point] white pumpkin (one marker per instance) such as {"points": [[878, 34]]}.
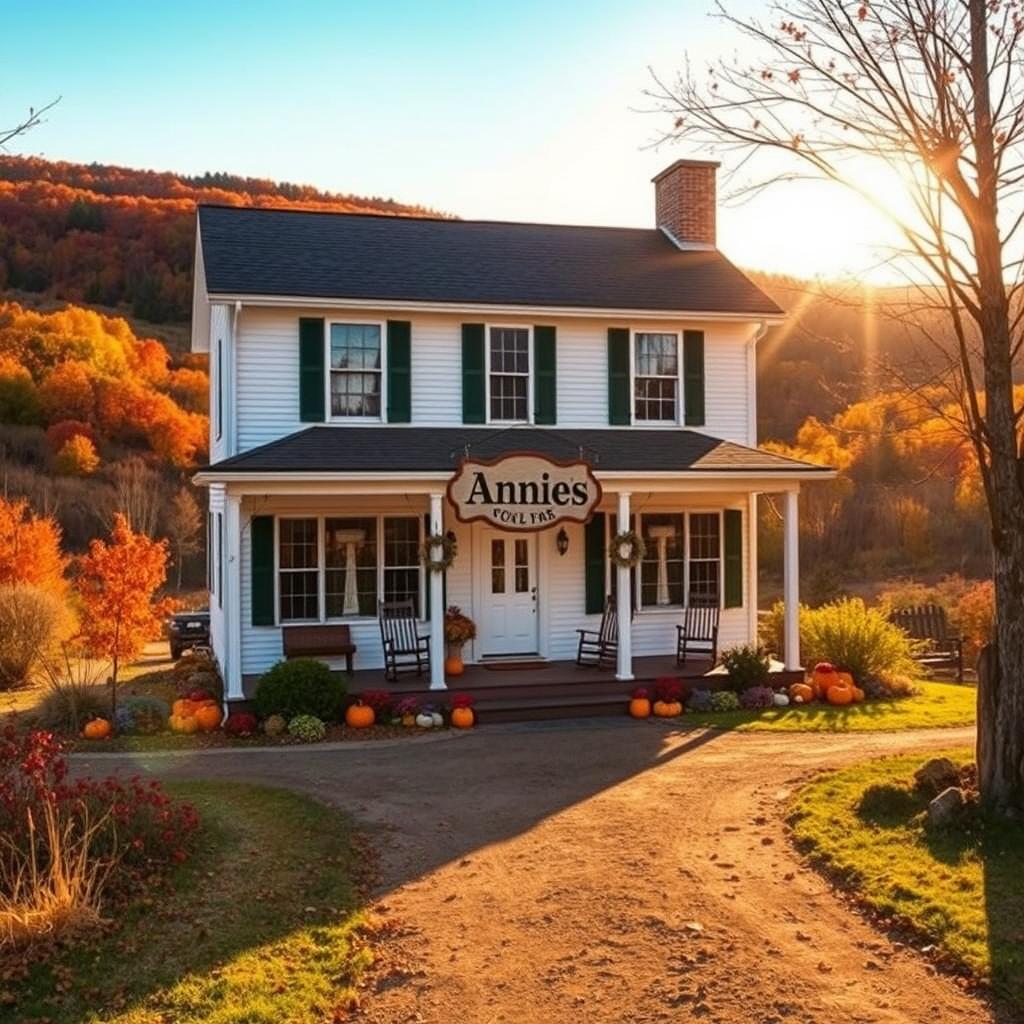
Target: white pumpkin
{"points": [[437, 717], [425, 720], [780, 700]]}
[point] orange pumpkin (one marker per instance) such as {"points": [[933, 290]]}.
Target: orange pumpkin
{"points": [[801, 693], [823, 679], [360, 716], [97, 729], [463, 718], [846, 679], [409, 720], [454, 665], [208, 717], [839, 695], [188, 724], [858, 694], [182, 708], [667, 708], [640, 707]]}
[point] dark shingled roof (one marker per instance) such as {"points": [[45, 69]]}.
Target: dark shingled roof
{"points": [[436, 449], [258, 251]]}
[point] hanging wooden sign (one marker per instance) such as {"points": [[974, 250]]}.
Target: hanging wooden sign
{"points": [[524, 491]]}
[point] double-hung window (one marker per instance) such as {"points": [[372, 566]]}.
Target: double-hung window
{"points": [[357, 370], [508, 354], [337, 567], [655, 377], [682, 563], [299, 569]]}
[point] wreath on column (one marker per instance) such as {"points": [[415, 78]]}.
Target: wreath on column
{"points": [[627, 549], [449, 549]]}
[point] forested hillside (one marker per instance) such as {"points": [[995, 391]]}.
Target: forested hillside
{"points": [[118, 237]]}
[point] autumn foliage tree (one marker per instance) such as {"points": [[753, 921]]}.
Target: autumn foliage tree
{"points": [[117, 584], [30, 548]]}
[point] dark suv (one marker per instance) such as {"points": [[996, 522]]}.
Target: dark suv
{"points": [[188, 629]]}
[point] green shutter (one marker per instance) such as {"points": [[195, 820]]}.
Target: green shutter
{"points": [[311, 369], [693, 378], [262, 574], [545, 386], [618, 376], [474, 387], [594, 557], [399, 371], [733, 558]]}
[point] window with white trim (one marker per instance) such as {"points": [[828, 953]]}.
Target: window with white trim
{"points": [[655, 377], [352, 561], [682, 563], [356, 370], [509, 374]]}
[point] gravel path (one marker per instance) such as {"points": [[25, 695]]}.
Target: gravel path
{"points": [[606, 871]]}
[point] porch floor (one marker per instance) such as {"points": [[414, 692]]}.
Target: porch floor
{"points": [[553, 688]]}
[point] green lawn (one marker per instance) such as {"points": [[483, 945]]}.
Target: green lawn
{"points": [[962, 891], [938, 704], [259, 927]]}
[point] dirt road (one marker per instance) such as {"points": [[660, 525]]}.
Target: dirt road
{"points": [[608, 871]]}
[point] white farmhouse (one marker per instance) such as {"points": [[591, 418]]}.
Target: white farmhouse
{"points": [[520, 393]]}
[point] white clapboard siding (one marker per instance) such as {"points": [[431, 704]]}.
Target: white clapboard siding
{"points": [[267, 371]]}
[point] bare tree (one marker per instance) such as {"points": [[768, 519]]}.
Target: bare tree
{"points": [[35, 117], [916, 106], [182, 525], [138, 494]]}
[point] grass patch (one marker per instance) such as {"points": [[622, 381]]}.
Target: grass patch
{"points": [[962, 891], [258, 927], [938, 705]]}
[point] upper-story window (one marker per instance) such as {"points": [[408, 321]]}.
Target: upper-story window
{"points": [[357, 370], [655, 377], [508, 351]]}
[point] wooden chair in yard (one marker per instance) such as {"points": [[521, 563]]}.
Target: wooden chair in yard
{"points": [[698, 633], [600, 648], [928, 625], [404, 649]]}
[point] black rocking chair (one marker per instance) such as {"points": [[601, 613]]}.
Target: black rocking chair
{"points": [[698, 632], [601, 647], [404, 649]]}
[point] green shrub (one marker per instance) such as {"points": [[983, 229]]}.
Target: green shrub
{"points": [[307, 728], [724, 700], [275, 725], [300, 687], [848, 633], [747, 666]]}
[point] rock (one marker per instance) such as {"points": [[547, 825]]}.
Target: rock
{"points": [[947, 808], [936, 775]]}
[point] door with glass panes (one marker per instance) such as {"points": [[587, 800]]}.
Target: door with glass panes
{"points": [[508, 618]]}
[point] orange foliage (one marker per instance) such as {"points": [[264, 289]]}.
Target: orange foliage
{"points": [[77, 457], [975, 617], [30, 550], [60, 433], [117, 584]]}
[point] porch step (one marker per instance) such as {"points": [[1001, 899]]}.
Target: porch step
{"points": [[525, 709]]}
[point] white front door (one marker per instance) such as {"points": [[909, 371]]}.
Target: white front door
{"points": [[509, 586]]}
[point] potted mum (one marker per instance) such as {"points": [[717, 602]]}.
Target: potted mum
{"points": [[459, 629]]}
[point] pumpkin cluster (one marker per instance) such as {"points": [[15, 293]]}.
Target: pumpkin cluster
{"points": [[829, 684], [198, 712]]}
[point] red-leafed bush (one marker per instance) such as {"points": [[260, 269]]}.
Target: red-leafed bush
{"points": [[668, 689], [381, 701], [462, 700], [240, 723], [67, 844]]}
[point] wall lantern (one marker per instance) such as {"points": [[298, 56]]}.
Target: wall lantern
{"points": [[562, 541]]}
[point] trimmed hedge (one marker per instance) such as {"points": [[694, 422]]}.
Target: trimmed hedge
{"points": [[303, 686]]}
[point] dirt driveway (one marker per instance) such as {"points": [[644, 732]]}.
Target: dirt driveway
{"points": [[607, 871]]}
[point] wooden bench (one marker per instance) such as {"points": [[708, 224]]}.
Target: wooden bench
{"points": [[319, 641], [927, 624]]}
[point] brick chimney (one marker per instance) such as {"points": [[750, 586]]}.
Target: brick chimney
{"points": [[685, 201]]}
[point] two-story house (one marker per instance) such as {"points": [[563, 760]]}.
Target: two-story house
{"points": [[526, 390]]}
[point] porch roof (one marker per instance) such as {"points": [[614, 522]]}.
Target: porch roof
{"points": [[389, 450]]}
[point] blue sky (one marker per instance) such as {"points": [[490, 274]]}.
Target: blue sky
{"points": [[525, 111]]}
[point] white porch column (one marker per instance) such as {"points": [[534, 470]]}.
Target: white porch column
{"points": [[436, 584], [624, 600], [232, 556], [791, 577]]}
